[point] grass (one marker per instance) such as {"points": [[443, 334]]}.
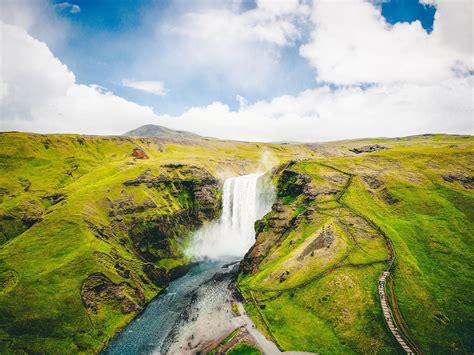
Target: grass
{"points": [[430, 224], [433, 240], [244, 349], [53, 188], [235, 309]]}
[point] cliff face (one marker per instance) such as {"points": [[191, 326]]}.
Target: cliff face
{"points": [[274, 227], [152, 239], [297, 194], [154, 236]]}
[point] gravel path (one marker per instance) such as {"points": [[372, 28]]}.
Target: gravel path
{"points": [[387, 313]]}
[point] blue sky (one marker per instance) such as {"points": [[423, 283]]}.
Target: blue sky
{"points": [[263, 70], [408, 11], [107, 43]]}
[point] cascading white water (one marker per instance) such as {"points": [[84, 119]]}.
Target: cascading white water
{"points": [[233, 234]]}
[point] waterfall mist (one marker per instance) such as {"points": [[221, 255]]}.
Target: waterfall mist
{"points": [[245, 199]]}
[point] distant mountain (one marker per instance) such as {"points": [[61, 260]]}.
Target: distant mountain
{"points": [[151, 130]]}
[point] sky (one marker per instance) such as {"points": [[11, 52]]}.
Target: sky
{"points": [[264, 70]]}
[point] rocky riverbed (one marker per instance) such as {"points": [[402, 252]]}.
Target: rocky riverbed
{"points": [[193, 311], [208, 316]]}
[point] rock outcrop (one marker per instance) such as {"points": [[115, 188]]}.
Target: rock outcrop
{"points": [[465, 180], [368, 149], [98, 290], [324, 240], [388, 197], [373, 182], [195, 187]]}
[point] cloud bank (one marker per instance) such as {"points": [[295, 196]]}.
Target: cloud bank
{"points": [[351, 43], [234, 48], [40, 94], [375, 79]]}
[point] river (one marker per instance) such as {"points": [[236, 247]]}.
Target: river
{"points": [[195, 309]]}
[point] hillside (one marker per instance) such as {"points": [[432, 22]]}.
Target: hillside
{"points": [[311, 278], [92, 228], [151, 130]]}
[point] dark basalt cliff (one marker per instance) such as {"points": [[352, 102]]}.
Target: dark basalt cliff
{"points": [[274, 227]]}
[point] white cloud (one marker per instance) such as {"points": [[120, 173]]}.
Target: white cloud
{"points": [[323, 114], [152, 87], [454, 26], [351, 43], [241, 100], [29, 82], [273, 22], [38, 17], [75, 9], [234, 49], [39, 93]]}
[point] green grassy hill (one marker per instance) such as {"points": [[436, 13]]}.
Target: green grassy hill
{"points": [[92, 228], [311, 279]]}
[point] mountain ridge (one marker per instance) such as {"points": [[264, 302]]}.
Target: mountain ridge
{"points": [[152, 130]]}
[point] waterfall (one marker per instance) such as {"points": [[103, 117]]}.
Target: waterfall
{"points": [[243, 202]]}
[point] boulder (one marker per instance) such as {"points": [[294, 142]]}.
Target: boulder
{"points": [[466, 181], [388, 197], [372, 181], [139, 153]]}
